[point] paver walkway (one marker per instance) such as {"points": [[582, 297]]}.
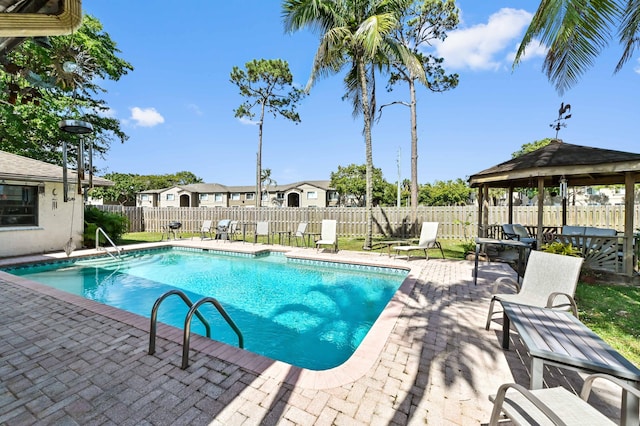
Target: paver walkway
{"points": [[64, 361]]}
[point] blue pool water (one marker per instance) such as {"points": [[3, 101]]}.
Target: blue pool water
{"points": [[307, 313]]}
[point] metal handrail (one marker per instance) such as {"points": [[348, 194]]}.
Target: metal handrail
{"points": [[187, 327], [154, 317], [100, 230]]}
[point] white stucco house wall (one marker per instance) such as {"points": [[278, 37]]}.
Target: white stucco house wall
{"points": [[34, 217]]}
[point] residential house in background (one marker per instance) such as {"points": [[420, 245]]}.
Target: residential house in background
{"points": [[299, 194]]}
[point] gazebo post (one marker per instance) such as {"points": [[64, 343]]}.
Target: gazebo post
{"points": [[485, 211], [629, 202], [540, 211], [480, 205], [510, 203]]}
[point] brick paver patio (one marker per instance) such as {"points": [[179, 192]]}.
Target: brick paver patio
{"points": [[68, 361]]}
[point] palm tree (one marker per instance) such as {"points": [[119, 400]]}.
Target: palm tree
{"points": [[354, 33], [577, 31]]}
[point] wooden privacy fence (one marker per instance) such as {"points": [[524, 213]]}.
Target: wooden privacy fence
{"points": [[456, 222]]}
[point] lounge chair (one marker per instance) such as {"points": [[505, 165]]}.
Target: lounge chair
{"points": [[222, 229], [328, 235], [262, 228], [300, 233], [547, 277], [557, 406], [206, 229], [233, 230], [428, 240]]}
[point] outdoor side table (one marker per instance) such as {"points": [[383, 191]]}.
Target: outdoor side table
{"points": [[522, 249], [310, 235], [390, 244]]}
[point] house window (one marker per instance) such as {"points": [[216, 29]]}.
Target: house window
{"points": [[204, 197], [235, 196], [312, 195], [333, 196], [250, 196], [171, 197], [265, 196], [280, 196], [218, 197], [144, 197], [18, 205]]}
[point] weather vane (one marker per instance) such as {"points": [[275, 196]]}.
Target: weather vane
{"points": [[563, 114]]}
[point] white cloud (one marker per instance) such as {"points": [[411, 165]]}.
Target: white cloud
{"points": [[109, 113], [637, 67], [146, 117], [195, 108], [245, 120], [482, 47]]}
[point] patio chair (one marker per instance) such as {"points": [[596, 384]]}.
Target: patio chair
{"points": [[300, 233], [547, 277], [206, 229], [428, 240], [262, 228], [222, 229], [328, 235], [508, 233], [557, 406], [523, 234], [233, 230]]}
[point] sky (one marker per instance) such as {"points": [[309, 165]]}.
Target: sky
{"points": [[177, 106]]}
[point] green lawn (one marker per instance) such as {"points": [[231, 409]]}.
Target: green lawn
{"points": [[613, 312]]}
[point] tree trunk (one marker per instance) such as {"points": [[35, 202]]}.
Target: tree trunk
{"points": [[414, 154], [368, 154], [259, 161]]}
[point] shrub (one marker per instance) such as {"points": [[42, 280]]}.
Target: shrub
{"points": [[557, 247], [113, 224]]}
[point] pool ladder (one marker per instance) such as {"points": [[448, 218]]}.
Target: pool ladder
{"points": [[193, 309], [98, 248]]}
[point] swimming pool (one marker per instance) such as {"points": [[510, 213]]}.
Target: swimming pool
{"points": [[311, 314]]}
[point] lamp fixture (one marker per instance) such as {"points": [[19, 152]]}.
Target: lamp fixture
{"points": [[76, 127]]}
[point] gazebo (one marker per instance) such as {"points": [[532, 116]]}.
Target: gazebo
{"points": [[557, 165]]}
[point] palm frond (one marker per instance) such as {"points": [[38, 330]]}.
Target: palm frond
{"points": [[575, 31], [629, 31]]}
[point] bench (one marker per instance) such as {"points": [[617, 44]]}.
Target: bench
{"points": [[554, 337]]}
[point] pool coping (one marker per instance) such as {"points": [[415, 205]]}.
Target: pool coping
{"points": [[360, 362]]}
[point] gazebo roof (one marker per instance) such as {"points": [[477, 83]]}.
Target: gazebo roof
{"points": [[581, 165]]}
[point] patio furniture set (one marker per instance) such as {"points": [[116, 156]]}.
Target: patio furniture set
{"points": [[553, 336]]}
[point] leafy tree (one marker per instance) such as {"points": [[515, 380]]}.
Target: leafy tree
{"points": [[449, 193], [577, 31], [351, 181], [42, 86], [268, 85], [423, 22], [530, 147], [354, 34]]}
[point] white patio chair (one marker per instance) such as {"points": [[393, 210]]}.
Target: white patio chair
{"points": [[300, 233], [206, 229], [262, 228], [428, 240], [547, 277], [557, 406], [328, 235]]}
